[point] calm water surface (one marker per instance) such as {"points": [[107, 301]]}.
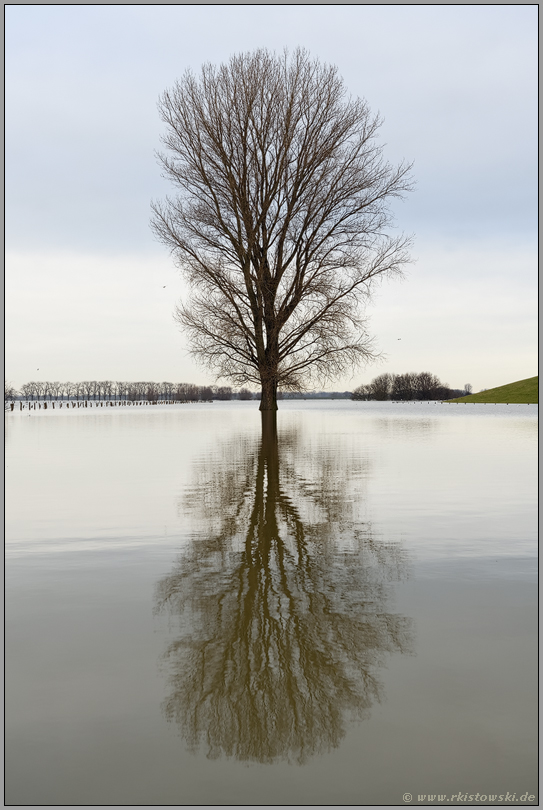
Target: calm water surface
{"points": [[202, 612]]}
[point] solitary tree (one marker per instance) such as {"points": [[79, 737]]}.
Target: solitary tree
{"points": [[280, 220]]}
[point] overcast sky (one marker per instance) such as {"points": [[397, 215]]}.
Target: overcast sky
{"points": [[90, 293]]}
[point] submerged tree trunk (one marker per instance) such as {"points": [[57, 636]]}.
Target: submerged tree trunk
{"points": [[269, 432]]}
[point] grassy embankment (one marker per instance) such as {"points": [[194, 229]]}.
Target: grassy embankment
{"points": [[521, 392]]}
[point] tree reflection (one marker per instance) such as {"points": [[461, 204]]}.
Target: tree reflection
{"points": [[282, 605]]}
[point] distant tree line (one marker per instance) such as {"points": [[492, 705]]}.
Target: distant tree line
{"points": [[397, 387], [404, 387], [313, 395], [109, 390]]}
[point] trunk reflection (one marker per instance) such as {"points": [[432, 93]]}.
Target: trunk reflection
{"points": [[282, 601]]}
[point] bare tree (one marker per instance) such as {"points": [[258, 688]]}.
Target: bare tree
{"points": [[425, 385], [223, 392], [28, 390], [362, 392], [104, 389], [86, 388], [280, 226], [205, 394], [152, 392], [10, 394], [191, 393], [446, 392], [56, 389], [381, 386], [403, 387], [180, 392], [140, 390]]}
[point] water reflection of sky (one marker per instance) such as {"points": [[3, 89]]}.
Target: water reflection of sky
{"points": [[450, 480], [293, 579]]}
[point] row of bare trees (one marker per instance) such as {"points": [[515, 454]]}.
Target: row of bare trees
{"points": [[404, 387], [109, 390]]}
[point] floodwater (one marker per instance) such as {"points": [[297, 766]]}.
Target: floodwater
{"points": [[201, 610]]}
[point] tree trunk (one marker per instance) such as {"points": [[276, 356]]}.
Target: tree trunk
{"points": [[269, 431], [269, 395]]}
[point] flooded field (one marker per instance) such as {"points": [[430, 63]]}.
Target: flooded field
{"points": [[201, 609]]}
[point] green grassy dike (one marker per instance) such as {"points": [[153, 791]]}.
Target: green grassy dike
{"points": [[521, 392]]}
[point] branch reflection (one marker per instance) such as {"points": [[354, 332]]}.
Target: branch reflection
{"points": [[282, 605]]}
